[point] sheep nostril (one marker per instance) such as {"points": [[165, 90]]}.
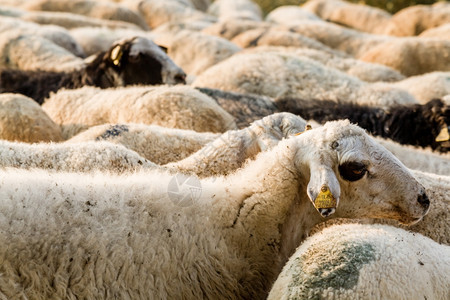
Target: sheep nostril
{"points": [[423, 200]]}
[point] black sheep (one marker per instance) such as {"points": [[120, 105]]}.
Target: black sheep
{"points": [[419, 125], [128, 62], [245, 108]]}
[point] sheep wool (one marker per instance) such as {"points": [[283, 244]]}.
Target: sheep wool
{"points": [[411, 56], [298, 77], [287, 14], [356, 261], [231, 28], [73, 157], [22, 119], [96, 9], [159, 12], [350, 41], [231, 150], [413, 20], [139, 236], [195, 52], [360, 17], [32, 52], [260, 36], [427, 86], [158, 144], [71, 20], [56, 34], [424, 160], [245, 108], [169, 106], [235, 9], [442, 32], [367, 72]]}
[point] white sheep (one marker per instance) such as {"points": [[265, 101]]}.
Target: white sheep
{"points": [[358, 16], [96, 9], [56, 34], [356, 261], [263, 36], [70, 20], [418, 158], [72, 157], [287, 14], [411, 56], [368, 72], [219, 154], [296, 77], [231, 150], [22, 119], [235, 9], [427, 86], [158, 144], [156, 235], [170, 106], [32, 52], [158, 12], [415, 19], [231, 28], [195, 52], [350, 41], [442, 32]]}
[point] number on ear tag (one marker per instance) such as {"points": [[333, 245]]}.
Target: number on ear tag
{"points": [[325, 199]]}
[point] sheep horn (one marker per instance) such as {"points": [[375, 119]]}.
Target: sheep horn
{"points": [[443, 135]]}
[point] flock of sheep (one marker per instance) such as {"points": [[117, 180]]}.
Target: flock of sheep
{"points": [[189, 149]]}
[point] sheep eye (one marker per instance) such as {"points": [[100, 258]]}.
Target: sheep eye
{"points": [[352, 171]]}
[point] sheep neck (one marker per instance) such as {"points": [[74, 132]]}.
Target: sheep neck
{"points": [[268, 220]]}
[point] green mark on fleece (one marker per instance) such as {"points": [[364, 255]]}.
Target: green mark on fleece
{"points": [[315, 270]]}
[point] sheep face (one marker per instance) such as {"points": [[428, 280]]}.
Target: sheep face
{"points": [[360, 177], [140, 61]]}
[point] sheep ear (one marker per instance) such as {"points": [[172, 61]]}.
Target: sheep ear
{"points": [[324, 190], [116, 55], [163, 48]]}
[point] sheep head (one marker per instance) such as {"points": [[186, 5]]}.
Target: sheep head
{"points": [[134, 61], [353, 176]]}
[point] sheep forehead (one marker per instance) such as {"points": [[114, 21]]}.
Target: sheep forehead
{"points": [[143, 45]]}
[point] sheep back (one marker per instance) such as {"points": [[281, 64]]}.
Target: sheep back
{"points": [[175, 107], [22, 119], [356, 261]]}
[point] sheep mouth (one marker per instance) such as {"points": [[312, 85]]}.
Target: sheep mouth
{"points": [[408, 221]]}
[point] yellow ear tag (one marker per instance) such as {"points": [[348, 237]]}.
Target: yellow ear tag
{"points": [[443, 135], [116, 55], [307, 127], [325, 199]]}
